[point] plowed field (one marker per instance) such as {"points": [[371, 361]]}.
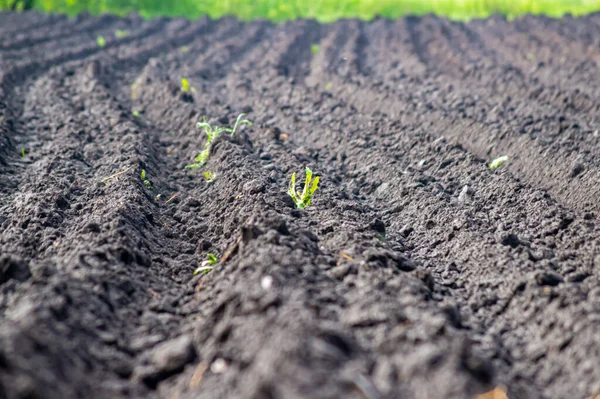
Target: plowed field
{"points": [[418, 271]]}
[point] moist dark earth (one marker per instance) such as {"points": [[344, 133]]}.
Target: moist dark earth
{"points": [[418, 271]]}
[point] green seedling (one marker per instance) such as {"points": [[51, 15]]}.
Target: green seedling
{"points": [[328, 86], [314, 49], [186, 87], [23, 154], [184, 49], [209, 176], [498, 161], [212, 133], [121, 33], [136, 114], [239, 121], [303, 199], [207, 265], [146, 181], [134, 93], [101, 41]]}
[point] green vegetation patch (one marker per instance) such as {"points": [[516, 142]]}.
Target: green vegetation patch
{"points": [[322, 10], [303, 199]]}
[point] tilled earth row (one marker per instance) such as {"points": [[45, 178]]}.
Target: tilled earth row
{"points": [[418, 272]]}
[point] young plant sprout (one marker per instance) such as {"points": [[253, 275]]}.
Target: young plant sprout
{"points": [[314, 49], [134, 91], [121, 33], [136, 114], [498, 161], [209, 176], [146, 182], [302, 200], [212, 133], [239, 121], [186, 87], [207, 265], [100, 41], [23, 154]]}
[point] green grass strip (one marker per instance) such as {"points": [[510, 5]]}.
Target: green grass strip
{"points": [[322, 10]]}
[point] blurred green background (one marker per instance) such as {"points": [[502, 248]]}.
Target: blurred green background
{"points": [[323, 10]]}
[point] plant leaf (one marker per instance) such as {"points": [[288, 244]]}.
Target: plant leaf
{"points": [[292, 189], [314, 185], [293, 182], [203, 269], [306, 183], [311, 191], [238, 122], [498, 161], [185, 85]]}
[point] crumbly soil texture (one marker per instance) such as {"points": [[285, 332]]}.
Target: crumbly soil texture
{"points": [[417, 272]]}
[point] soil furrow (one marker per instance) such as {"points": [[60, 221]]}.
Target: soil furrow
{"points": [[284, 231], [504, 140], [51, 46], [222, 57], [542, 163], [206, 101], [135, 244], [489, 230], [14, 23], [64, 30]]}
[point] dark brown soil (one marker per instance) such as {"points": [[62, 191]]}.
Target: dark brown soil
{"points": [[418, 272]]}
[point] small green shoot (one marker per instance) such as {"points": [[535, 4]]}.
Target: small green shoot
{"points": [[134, 92], [212, 133], [303, 200], [136, 114], [328, 86], [314, 49], [101, 41], [146, 181], [498, 161], [239, 121], [121, 33], [23, 154], [209, 176], [186, 87], [207, 265], [184, 49]]}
